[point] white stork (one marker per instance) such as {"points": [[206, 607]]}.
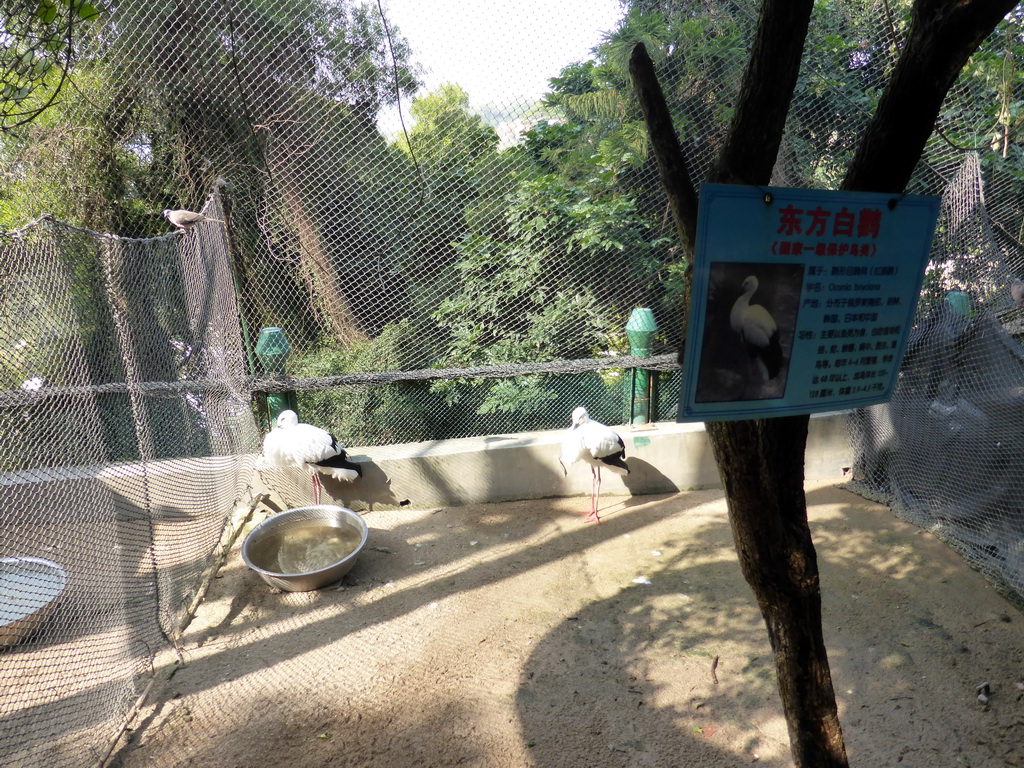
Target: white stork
{"points": [[758, 332], [599, 446], [294, 444]]}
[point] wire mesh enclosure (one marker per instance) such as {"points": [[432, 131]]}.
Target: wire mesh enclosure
{"points": [[441, 266], [944, 452], [126, 427]]}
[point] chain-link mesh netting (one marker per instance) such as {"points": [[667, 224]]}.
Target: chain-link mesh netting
{"points": [[944, 452], [444, 246], [123, 430], [467, 269]]}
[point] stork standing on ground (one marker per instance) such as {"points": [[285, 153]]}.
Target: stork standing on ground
{"points": [[758, 332], [294, 444], [185, 220], [599, 446]]}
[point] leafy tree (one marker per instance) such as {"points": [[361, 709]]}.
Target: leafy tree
{"points": [[72, 161], [39, 41], [378, 415], [579, 234], [456, 155], [456, 180], [551, 285], [250, 90], [761, 461], [167, 98], [446, 134]]}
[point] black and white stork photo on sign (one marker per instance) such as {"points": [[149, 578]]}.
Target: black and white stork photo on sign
{"points": [[748, 332]]}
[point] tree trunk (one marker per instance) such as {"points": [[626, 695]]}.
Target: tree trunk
{"points": [[761, 462]]}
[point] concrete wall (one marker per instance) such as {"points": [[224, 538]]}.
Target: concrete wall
{"points": [[665, 458]]}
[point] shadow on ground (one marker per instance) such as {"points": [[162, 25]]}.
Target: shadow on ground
{"points": [[515, 635]]}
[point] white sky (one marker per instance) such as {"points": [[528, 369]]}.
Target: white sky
{"points": [[500, 52]]}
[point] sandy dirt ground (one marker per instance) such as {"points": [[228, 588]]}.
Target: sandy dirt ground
{"points": [[514, 635]]}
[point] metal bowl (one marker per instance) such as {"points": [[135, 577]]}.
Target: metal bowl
{"points": [[29, 586], [305, 548]]}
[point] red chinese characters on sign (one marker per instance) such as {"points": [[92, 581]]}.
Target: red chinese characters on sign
{"points": [[822, 232], [829, 248], [821, 222]]}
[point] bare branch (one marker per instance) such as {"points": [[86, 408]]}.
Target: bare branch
{"points": [[36, 42], [675, 177]]}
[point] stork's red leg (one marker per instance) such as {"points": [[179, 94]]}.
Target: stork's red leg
{"points": [[595, 494], [316, 488]]}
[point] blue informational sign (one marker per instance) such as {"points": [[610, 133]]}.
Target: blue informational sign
{"points": [[802, 299]]}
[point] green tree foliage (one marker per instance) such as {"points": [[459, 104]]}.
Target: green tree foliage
{"points": [[372, 416], [246, 91], [71, 162], [994, 127], [455, 181], [456, 156], [579, 235], [447, 134], [588, 215], [550, 287], [164, 102], [496, 254], [39, 37], [838, 89]]}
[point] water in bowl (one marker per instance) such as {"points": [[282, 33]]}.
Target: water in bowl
{"points": [[305, 549]]}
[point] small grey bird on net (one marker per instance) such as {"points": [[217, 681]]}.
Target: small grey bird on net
{"points": [[185, 220]]}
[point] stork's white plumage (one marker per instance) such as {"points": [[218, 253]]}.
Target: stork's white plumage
{"points": [[599, 446], [758, 331], [294, 444], [187, 219]]}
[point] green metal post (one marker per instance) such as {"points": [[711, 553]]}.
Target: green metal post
{"points": [[272, 349], [640, 331], [959, 302]]}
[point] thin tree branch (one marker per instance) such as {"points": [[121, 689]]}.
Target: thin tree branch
{"points": [[682, 197], [65, 72]]}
